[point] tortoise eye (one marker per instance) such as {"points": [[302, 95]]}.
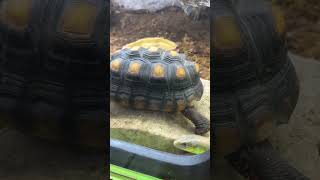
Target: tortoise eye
{"points": [[184, 145]]}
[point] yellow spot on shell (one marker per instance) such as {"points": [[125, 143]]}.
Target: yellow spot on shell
{"points": [[180, 73], [79, 18], [158, 71], [279, 19], [135, 48], [174, 53], [134, 68], [197, 67], [16, 13], [115, 65], [153, 49], [227, 34]]}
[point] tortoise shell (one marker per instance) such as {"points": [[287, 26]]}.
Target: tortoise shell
{"points": [[255, 84], [52, 69], [154, 79]]}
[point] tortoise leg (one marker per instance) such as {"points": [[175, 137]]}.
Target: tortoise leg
{"points": [[268, 165], [201, 123], [262, 162]]}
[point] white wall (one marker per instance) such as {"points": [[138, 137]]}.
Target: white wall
{"points": [[150, 5]]}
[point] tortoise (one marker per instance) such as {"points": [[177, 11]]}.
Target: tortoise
{"points": [[255, 86], [154, 78], [52, 70]]}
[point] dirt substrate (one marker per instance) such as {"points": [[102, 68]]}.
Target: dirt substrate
{"points": [[302, 21], [192, 37], [303, 26]]}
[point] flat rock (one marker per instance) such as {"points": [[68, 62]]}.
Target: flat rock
{"points": [[153, 129], [299, 141]]}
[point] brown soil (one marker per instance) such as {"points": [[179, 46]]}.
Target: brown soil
{"points": [[193, 38], [303, 26], [302, 20]]}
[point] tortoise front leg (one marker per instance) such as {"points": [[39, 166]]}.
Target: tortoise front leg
{"points": [[268, 165], [261, 162], [201, 123]]}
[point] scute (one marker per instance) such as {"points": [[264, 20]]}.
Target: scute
{"points": [[16, 13], [173, 53], [197, 67], [134, 68], [115, 65], [229, 33], [151, 78], [44, 43], [180, 73], [153, 49], [279, 20], [135, 48], [158, 71], [77, 18]]}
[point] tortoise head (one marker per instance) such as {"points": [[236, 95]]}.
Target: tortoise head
{"points": [[192, 143]]}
